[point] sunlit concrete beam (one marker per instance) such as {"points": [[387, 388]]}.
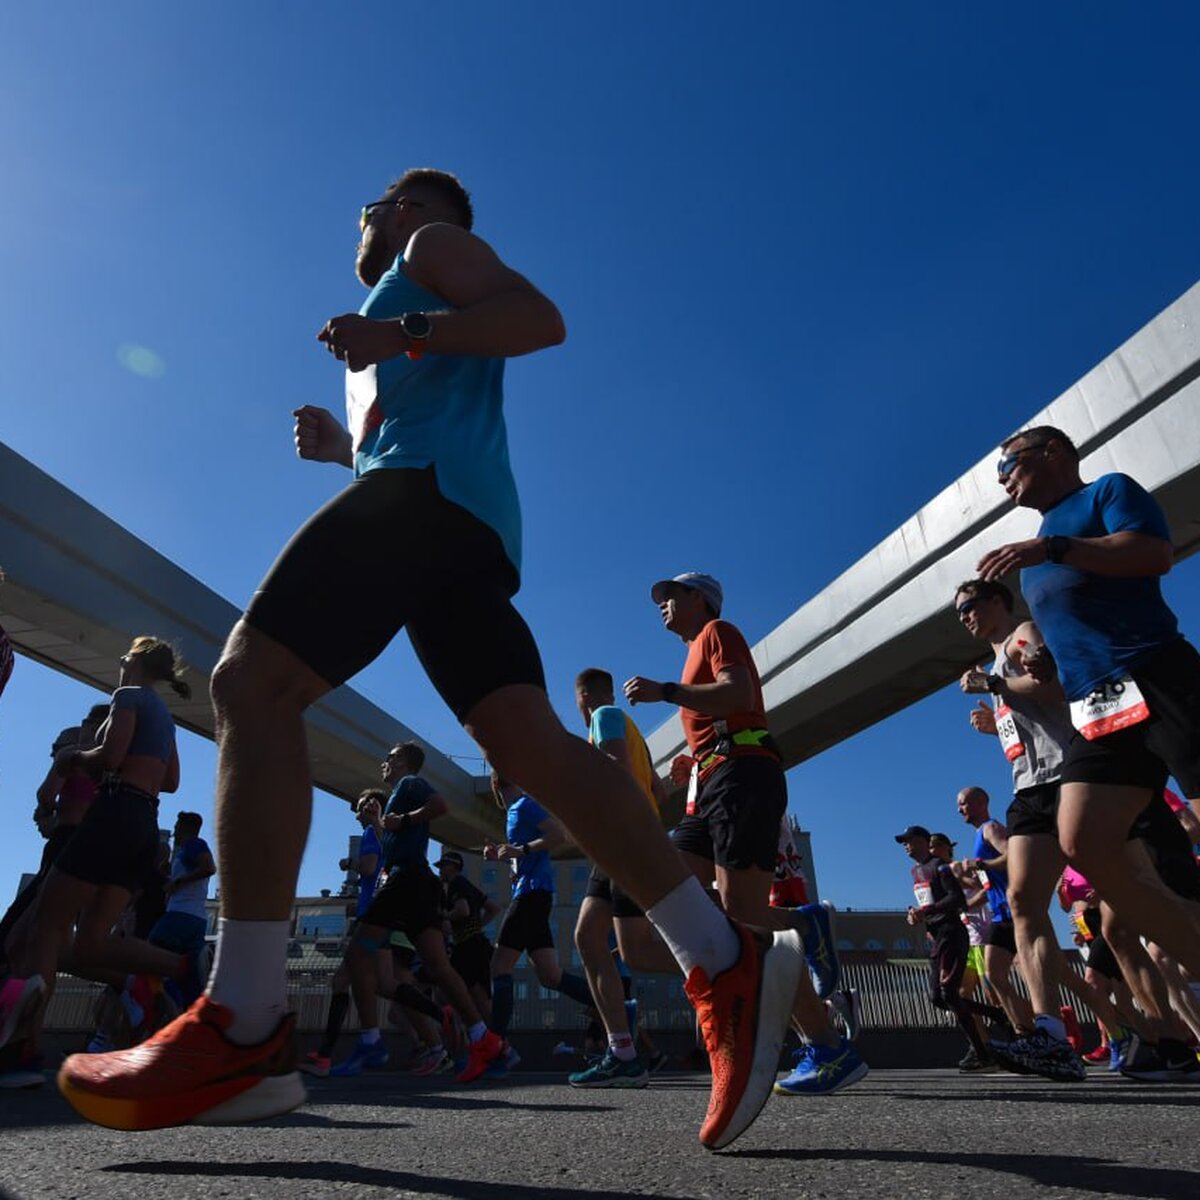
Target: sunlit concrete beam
{"points": [[882, 636], [79, 587]]}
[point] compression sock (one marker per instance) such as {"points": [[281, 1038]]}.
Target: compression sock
{"points": [[575, 987], [477, 1032], [339, 1006], [369, 1037], [414, 998], [502, 1003], [696, 931], [249, 977]]}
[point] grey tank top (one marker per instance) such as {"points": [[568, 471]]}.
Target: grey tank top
{"points": [[1042, 733]]}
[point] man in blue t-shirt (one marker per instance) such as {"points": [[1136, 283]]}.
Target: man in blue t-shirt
{"points": [[1091, 578], [530, 833], [409, 902]]}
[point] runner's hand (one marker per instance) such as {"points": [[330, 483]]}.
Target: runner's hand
{"points": [[681, 769], [359, 341], [1005, 559], [973, 681], [983, 717], [639, 690], [319, 436], [490, 851]]}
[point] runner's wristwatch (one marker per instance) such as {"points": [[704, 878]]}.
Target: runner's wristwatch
{"points": [[417, 327], [1057, 547]]}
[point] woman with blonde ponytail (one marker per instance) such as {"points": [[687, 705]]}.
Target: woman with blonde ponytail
{"points": [[112, 852]]}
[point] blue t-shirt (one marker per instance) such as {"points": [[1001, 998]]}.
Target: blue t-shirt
{"points": [[533, 872], [154, 727], [997, 894], [191, 898], [408, 846], [368, 844], [1098, 627], [444, 410]]}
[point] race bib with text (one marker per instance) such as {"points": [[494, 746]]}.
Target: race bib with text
{"points": [[1110, 707], [1006, 731]]}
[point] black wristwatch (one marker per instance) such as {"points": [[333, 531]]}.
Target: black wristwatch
{"points": [[417, 326], [995, 684], [668, 692], [1057, 547]]}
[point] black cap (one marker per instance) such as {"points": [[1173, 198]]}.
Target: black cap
{"points": [[911, 832], [450, 858]]}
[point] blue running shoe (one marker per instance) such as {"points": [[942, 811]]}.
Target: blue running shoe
{"points": [[363, 1057], [612, 1072], [819, 950], [1119, 1047], [820, 1070]]}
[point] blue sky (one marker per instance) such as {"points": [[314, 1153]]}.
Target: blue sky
{"points": [[813, 263]]}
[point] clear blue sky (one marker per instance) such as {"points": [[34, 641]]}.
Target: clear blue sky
{"points": [[814, 262]]}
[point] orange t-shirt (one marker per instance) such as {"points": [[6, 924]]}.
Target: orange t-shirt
{"points": [[717, 646]]}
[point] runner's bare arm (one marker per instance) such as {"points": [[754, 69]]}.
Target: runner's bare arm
{"points": [[1125, 555], [495, 313], [433, 808], [733, 692], [110, 754]]}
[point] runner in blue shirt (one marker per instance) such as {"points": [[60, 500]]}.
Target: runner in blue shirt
{"points": [[530, 834], [1091, 577]]}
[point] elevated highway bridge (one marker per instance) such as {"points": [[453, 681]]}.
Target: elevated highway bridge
{"points": [[880, 637]]}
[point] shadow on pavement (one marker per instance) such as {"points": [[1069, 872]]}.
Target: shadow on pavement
{"points": [[1059, 1171], [394, 1181], [1177, 1096]]}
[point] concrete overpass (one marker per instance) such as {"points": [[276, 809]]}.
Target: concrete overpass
{"points": [[79, 586], [882, 635]]}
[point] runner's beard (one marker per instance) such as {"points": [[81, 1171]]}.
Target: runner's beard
{"points": [[374, 258]]}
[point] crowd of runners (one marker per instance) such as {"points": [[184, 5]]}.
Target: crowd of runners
{"points": [[1095, 702]]}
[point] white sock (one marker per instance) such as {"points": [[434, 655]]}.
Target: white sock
{"points": [[621, 1044], [476, 1032], [696, 931], [249, 977]]}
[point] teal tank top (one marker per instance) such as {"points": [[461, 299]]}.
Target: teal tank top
{"points": [[441, 410]]}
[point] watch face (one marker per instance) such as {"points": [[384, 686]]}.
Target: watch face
{"points": [[417, 325]]}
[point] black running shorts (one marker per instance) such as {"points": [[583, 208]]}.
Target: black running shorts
{"points": [[601, 887], [526, 925], [948, 963], [410, 901], [390, 552], [116, 843], [472, 959], [1169, 848], [1002, 935], [1033, 811], [738, 811], [1168, 743]]}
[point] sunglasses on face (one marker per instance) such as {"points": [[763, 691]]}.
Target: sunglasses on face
{"points": [[967, 606], [369, 211], [1008, 464]]}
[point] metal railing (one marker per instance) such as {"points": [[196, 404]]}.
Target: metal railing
{"points": [[893, 993]]}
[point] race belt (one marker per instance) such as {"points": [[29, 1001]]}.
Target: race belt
{"points": [[726, 746]]}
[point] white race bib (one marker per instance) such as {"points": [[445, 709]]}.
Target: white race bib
{"points": [[693, 788], [923, 893], [362, 412], [1110, 707], [1006, 730]]}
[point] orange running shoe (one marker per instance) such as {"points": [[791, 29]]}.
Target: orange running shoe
{"points": [[481, 1055], [187, 1073], [743, 1015]]}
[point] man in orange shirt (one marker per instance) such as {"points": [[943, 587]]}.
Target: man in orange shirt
{"points": [[737, 796]]}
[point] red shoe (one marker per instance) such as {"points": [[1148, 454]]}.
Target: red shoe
{"points": [[187, 1073], [1099, 1055], [1071, 1025], [743, 1015], [481, 1055]]}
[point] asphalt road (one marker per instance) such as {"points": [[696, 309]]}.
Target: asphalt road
{"points": [[896, 1134]]}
